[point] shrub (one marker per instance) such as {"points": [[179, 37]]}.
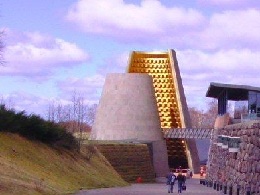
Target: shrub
{"points": [[35, 128]]}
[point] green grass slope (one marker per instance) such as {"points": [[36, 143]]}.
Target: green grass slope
{"points": [[32, 168]]}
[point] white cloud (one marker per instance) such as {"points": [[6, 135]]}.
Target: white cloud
{"points": [[89, 87], [225, 1], [36, 104], [199, 68], [127, 21], [151, 21], [198, 61], [232, 29], [230, 3], [21, 101], [36, 55], [115, 64]]}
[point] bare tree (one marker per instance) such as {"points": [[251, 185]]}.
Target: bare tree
{"points": [[240, 108], [78, 111], [197, 117], [211, 113], [51, 112], [204, 119], [8, 102], [90, 114], [76, 117]]}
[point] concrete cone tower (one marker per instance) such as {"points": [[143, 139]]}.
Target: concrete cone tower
{"points": [[127, 109]]}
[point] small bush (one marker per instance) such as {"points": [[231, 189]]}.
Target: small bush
{"points": [[35, 128], [91, 150]]}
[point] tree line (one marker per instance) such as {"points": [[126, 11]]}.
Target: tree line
{"points": [[77, 117], [204, 118], [34, 127]]}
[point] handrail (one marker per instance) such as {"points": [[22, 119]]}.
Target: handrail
{"points": [[250, 116], [189, 133]]}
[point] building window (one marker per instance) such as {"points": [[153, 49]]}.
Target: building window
{"points": [[254, 103]]}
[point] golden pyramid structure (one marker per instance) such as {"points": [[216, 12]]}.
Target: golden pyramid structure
{"points": [[171, 101], [161, 66]]}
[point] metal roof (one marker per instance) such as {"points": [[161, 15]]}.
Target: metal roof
{"points": [[234, 92]]}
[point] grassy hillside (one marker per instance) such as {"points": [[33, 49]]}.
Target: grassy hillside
{"points": [[28, 168]]}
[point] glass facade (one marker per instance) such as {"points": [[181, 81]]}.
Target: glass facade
{"points": [[222, 103], [254, 103], [240, 108]]}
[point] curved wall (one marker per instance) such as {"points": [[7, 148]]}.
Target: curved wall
{"points": [[127, 109]]}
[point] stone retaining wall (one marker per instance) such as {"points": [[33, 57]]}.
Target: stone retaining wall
{"points": [[241, 169], [130, 161]]}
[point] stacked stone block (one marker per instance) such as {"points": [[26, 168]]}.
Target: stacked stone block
{"points": [[130, 161], [239, 170]]}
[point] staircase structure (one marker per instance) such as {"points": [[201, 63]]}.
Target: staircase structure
{"points": [[131, 161], [171, 102]]}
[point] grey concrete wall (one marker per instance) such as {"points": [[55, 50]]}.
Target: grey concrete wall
{"points": [[192, 154], [127, 109], [160, 158]]}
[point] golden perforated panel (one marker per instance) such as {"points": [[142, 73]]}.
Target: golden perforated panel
{"points": [[159, 67]]}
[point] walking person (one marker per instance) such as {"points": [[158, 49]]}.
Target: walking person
{"points": [[170, 181], [188, 174], [191, 174], [180, 179]]}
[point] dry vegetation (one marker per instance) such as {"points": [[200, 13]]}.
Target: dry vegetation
{"points": [[30, 167]]}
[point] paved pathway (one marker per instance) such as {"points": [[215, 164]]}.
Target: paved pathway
{"points": [[193, 188]]}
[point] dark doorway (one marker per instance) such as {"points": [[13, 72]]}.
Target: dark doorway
{"points": [[177, 157]]}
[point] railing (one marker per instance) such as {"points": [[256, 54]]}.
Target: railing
{"points": [[250, 116], [194, 133]]}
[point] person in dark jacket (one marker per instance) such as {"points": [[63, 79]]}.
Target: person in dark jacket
{"points": [[170, 181], [191, 174], [181, 181]]}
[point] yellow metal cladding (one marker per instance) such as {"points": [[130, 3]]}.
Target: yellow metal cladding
{"points": [[158, 65]]}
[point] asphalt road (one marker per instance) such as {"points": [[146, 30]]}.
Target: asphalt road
{"points": [[193, 188]]}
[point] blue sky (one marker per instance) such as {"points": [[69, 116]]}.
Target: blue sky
{"points": [[53, 48]]}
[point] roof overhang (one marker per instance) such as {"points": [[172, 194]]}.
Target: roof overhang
{"points": [[234, 92]]}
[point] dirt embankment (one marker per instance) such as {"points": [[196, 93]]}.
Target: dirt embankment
{"points": [[33, 168]]}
